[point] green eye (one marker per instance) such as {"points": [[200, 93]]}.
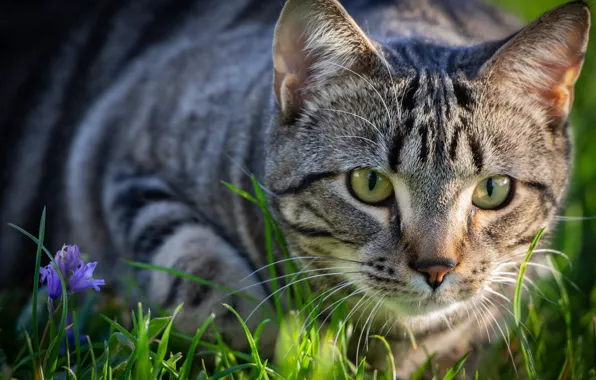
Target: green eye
{"points": [[492, 192], [369, 186]]}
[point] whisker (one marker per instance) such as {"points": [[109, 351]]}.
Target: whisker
{"points": [[342, 325], [511, 314], [333, 289], [393, 87], [292, 283], [553, 251], [555, 271], [475, 314], [387, 319], [369, 83], [372, 299], [320, 258], [498, 294], [482, 307], [364, 300], [286, 275], [357, 116], [544, 251], [447, 322], [361, 138], [363, 290], [306, 323], [505, 337], [373, 315], [529, 281], [475, 305], [513, 281], [574, 218]]}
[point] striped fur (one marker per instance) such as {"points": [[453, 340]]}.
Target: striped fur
{"points": [[145, 107]]}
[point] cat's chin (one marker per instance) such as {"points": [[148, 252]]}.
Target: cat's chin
{"points": [[428, 309]]}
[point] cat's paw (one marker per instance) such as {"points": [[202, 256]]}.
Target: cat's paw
{"points": [[213, 273]]}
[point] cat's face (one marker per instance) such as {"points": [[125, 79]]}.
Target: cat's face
{"points": [[414, 181]]}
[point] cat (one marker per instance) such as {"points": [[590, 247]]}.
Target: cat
{"points": [[415, 147]]}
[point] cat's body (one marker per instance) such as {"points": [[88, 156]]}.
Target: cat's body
{"points": [[146, 108], [52, 94]]}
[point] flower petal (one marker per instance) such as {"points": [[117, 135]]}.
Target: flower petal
{"points": [[83, 279], [50, 276]]}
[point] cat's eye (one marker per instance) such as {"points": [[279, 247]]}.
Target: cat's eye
{"points": [[492, 192], [369, 186]]}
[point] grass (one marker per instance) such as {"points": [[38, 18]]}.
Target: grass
{"points": [[143, 346], [551, 335]]}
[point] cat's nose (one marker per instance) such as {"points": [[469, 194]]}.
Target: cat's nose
{"points": [[434, 271]]}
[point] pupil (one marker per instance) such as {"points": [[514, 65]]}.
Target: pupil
{"points": [[490, 186], [372, 180]]}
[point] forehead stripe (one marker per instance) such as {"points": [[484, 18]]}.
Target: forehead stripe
{"points": [[477, 155], [395, 152]]}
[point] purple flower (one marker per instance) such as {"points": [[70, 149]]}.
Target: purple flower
{"points": [[68, 259], [77, 274], [83, 279], [49, 275]]}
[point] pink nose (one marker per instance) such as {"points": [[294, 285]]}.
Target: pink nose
{"points": [[435, 271]]}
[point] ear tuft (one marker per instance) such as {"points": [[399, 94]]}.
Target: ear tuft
{"points": [[313, 41], [544, 60]]}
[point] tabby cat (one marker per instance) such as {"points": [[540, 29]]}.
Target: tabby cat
{"points": [[416, 149]]}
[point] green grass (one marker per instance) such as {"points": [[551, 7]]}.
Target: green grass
{"points": [[551, 334]]}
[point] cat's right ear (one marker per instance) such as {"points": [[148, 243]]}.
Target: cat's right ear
{"points": [[542, 62], [314, 41]]}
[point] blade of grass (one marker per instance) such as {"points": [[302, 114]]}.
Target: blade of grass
{"points": [[528, 359], [163, 343], [142, 367], [390, 354], [35, 367], [251, 342], [269, 247], [75, 326], [223, 351], [518, 288], [211, 346], [242, 193], [565, 309], [185, 370], [450, 375], [119, 327], [93, 362], [360, 372], [231, 370], [42, 228], [107, 368]]}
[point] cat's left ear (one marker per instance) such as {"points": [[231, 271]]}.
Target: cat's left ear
{"points": [[542, 62], [315, 41]]}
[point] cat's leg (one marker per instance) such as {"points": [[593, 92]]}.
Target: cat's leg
{"points": [[151, 223]]}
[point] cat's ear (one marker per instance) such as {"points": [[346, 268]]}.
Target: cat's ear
{"points": [[314, 40], [544, 59]]}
